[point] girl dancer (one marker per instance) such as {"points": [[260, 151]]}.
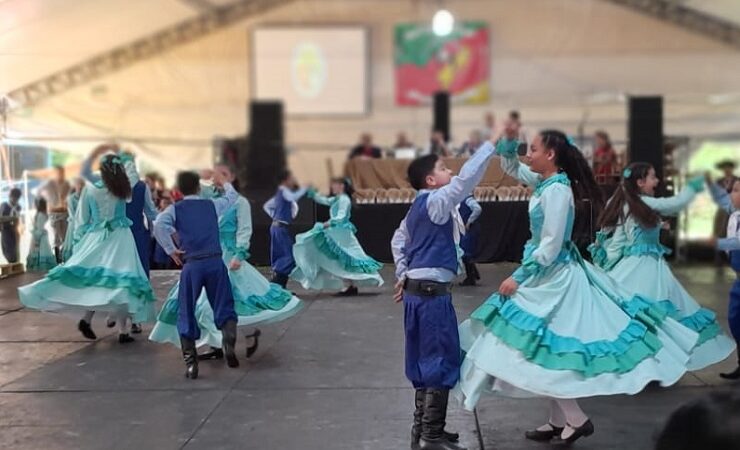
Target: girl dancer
{"points": [[104, 272], [330, 253], [255, 299], [73, 200], [553, 329], [40, 256], [633, 257]]}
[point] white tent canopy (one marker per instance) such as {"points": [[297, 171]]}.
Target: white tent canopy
{"points": [[562, 63]]}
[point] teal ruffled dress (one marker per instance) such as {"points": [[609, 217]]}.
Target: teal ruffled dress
{"points": [[325, 257], [565, 333], [104, 273], [256, 300], [40, 257], [73, 200], [634, 258]]}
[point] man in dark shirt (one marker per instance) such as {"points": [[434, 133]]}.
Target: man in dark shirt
{"points": [[365, 148], [10, 212]]}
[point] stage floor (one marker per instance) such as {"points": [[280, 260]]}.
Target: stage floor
{"points": [[329, 378]]}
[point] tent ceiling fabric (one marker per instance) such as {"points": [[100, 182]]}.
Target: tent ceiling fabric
{"points": [[563, 63]]}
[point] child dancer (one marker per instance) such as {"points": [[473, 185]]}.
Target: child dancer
{"points": [[160, 259], [552, 330], [470, 210], [40, 257], [731, 244], [255, 299], [73, 200], [330, 253], [10, 211], [634, 257], [425, 252], [195, 220], [282, 208], [104, 272]]}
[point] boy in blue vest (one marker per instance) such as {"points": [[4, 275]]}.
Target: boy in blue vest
{"points": [[425, 252], [282, 208], [195, 220]]}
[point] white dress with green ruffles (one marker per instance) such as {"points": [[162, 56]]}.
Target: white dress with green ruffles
{"points": [[564, 333], [104, 273], [634, 258], [40, 257], [256, 300], [324, 257]]}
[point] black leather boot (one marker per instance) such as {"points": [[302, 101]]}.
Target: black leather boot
{"points": [[280, 279], [190, 356], [251, 349], [469, 275], [228, 332], [418, 414], [213, 353], [433, 422], [86, 330], [735, 374]]}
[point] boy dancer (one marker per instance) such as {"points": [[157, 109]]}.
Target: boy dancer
{"points": [[425, 254], [282, 208], [11, 212], [195, 220]]}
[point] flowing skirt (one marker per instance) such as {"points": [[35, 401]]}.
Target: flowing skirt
{"points": [[40, 257]]}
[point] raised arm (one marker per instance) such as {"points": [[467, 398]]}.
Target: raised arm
{"points": [[721, 198], [321, 199], [443, 201], [225, 202], [293, 196], [671, 206], [507, 149]]}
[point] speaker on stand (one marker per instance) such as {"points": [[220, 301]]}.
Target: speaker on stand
{"points": [[442, 113]]}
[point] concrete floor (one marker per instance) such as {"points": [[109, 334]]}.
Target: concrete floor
{"points": [[329, 378]]}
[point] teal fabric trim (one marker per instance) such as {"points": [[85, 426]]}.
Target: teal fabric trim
{"points": [[40, 264], [345, 223], [559, 178], [82, 277], [696, 184], [274, 299], [531, 268], [529, 335], [703, 321], [507, 148], [330, 248], [657, 250], [228, 244]]}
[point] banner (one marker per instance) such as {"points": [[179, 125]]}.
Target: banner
{"points": [[426, 63]]}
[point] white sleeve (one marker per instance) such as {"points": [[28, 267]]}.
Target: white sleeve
{"points": [[398, 248], [670, 206], [244, 223], [269, 207], [516, 169]]}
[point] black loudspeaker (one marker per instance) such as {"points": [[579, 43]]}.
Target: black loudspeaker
{"points": [[646, 132], [442, 113], [265, 150]]}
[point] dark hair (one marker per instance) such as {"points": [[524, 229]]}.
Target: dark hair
{"points": [[283, 175], [712, 422], [585, 190], [40, 204], [114, 176], [58, 167], [629, 193], [605, 136], [188, 182], [15, 193], [419, 169], [514, 115], [347, 185]]}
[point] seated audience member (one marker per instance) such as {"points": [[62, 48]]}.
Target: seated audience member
{"points": [[402, 141], [523, 136], [489, 125], [437, 145], [471, 145], [365, 149]]}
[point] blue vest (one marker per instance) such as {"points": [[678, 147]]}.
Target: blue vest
{"points": [[135, 208], [196, 223], [465, 210], [283, 208], [431, 245], [735, 260]]}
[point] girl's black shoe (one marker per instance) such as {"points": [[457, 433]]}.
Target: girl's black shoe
{"points": [[86, 330], [585, 430], [543, 436]]}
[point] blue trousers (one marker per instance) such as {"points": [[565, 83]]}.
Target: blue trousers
{"points": [[9, 239], [209, 274], [469, 243], [433, 354], [281, 250], [733, 316], [143, 240]]}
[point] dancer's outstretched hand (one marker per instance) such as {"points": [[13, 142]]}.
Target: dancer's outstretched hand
{"points": [[177, 257], [398, 291], [235, 264], [508, 287]]}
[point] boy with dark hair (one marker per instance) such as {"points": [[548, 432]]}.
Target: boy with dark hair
{"points": [[425, 252], [195, 220], [10, 212], [282, 208]]}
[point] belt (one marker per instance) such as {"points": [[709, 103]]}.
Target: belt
{"points": [[427, 288], [201, 257], [278, 223]]}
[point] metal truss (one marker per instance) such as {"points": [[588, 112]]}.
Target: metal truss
{"points": [[675, 12], [131, 53]]}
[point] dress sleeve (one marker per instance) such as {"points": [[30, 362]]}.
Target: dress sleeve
{"points": [[342, 212], [510, 163], [244, 228], [322, 199], [671, 206]]}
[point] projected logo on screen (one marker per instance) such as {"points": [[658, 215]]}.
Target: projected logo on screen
{"points": [[308, 70]]}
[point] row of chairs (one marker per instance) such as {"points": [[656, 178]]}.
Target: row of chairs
{"points": [[407, 195]]}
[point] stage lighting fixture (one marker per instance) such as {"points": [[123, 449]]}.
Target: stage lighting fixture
{"points": [[443, 22]]}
